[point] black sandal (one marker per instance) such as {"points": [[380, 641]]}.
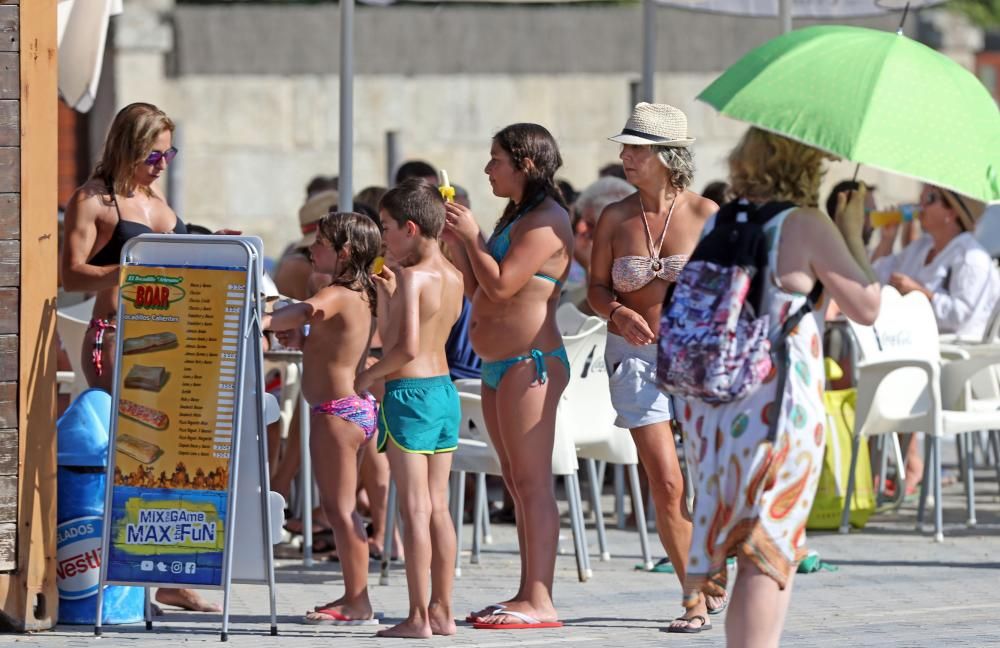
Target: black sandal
{"points": [[689, 629]]}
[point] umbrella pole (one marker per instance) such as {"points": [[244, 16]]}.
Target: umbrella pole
{"points": [[785, 15], [906, 11], [648, 48], [344, 187]]}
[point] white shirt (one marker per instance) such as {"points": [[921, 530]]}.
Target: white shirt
{"points": [[963, 278]]}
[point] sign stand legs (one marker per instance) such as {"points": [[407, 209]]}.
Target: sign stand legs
{"points": [[306, 480], [148, 595]]}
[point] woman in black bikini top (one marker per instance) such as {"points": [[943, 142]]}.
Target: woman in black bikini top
{"points": [[136, 153]]}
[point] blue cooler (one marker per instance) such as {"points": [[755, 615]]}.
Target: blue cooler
{"points": [[83, 433]]}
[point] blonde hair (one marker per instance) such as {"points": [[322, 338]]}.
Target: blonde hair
{"points": [[766, 166], [129, 142]]}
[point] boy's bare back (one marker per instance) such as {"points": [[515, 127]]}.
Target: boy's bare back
{"points": [[339, 333], [431, 290]]}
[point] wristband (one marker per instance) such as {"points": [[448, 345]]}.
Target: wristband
{"points": [[611, 315]]}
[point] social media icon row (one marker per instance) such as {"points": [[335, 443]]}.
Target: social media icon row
{"points": [[175, 567]]}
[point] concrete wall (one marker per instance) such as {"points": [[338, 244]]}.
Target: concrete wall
{"points": [[255, 92]]}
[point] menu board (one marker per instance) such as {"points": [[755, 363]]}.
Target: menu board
{"points": [[179, 337]]}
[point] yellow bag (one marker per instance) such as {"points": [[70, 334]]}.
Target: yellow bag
{"points": [[829, 503]]}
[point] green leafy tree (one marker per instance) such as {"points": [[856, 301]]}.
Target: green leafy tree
{"points": [[984, 13]]}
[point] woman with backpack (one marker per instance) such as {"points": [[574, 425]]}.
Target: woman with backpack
{"points": [[633, 261], [755, 421]]}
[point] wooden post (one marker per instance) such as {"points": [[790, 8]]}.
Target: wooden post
{"points": [[28, 258]]}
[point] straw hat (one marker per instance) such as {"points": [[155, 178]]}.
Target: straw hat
{"points": [[658, 124], [968, 209], [312, 212]]}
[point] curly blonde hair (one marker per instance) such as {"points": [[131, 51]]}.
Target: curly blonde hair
{"points": [[767, 166]]}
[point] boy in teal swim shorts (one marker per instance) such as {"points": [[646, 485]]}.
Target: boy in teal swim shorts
{"points": [[419, 300]]}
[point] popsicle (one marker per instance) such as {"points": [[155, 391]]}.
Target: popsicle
{"points": [[447, 191]]}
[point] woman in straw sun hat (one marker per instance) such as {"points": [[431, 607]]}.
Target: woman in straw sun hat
{"points": [[949, 265], [640, 245]]}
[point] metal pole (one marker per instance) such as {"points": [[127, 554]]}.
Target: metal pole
{"points": [[785, 15], [306, 478], [648, 48], [346, 181], [392, 156], [175, 174]]}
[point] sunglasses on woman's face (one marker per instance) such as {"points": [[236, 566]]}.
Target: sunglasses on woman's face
{"points": [[155, 157], [931, 198]]}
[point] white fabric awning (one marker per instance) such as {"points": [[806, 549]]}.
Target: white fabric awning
{"points": [[83, 31]]}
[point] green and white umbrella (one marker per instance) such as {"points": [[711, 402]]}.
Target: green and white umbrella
{"points": [[871, 97]]}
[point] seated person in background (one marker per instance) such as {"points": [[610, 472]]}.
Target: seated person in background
{"points": [[950, 267], [462, 360], [294, 268], [947, 263], [988, 230], [718, 190], [321, 183], [613, 169], [416, 169], [586, 212], [370, 197]]}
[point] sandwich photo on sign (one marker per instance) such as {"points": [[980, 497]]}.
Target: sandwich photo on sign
{"points": [[142, 451], [147, 416], [148, 378], [150, 342]]}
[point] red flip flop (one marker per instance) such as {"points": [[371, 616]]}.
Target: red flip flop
{"points": [[527, 622], [331, 617], [489, 610]]}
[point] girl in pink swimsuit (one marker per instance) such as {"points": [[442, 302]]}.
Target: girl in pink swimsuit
{"points": [[341, 323]]}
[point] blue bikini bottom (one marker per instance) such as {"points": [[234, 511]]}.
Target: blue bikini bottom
{"points": [[493, 372]]}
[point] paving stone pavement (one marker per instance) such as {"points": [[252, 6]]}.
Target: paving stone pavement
{"points": [[894, 587]]}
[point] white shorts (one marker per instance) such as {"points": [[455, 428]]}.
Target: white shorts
{"points": [[635, 393]]}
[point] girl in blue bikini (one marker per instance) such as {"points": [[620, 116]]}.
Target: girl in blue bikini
{"points": [[514, 280]]}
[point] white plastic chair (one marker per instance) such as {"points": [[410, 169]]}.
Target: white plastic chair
{"points": [[900, 390], [289, 368], [586, 417], [476, 454], [71, 323]]}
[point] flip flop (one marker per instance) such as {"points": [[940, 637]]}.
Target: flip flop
{"points": [[489, 610], [720, 609], [334, 618], [527, 622], [688, 629]]}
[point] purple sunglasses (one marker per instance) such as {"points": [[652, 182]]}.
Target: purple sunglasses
{"points": [[155, 157]]}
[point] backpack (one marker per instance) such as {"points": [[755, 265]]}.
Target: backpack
{"points": [[714, 341]]}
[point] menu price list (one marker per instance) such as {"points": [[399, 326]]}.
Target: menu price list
{"points": [[208, 391]]}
